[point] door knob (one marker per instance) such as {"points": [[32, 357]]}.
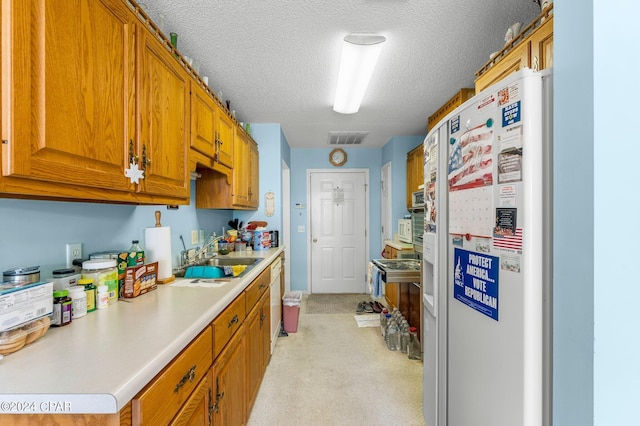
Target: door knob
{"points": [[315, 240]]}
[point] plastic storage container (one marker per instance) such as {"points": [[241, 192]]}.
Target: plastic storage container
{"points": [[15, 339], [291, 310], [103, 272], [65, 278]]}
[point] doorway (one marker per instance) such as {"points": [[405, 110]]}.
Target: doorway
{"points": [[338, 223]]}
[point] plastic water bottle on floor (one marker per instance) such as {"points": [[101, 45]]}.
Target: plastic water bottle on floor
{"points": [[383, 321], [392, 335], [404, 337], [414, 344]]}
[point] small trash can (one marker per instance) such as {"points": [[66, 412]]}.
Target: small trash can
{"points": [[291, 310]]}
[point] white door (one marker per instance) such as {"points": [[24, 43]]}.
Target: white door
{"points": [[338, 231]]}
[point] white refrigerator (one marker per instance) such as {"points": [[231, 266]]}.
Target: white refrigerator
{"points": [[487, 258]]}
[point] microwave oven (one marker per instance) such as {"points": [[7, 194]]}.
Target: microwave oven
{"points": [[417, 200], [405, 231]]}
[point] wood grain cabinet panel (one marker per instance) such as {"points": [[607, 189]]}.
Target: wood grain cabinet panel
{"points": [[68, 91], [159, 402]]}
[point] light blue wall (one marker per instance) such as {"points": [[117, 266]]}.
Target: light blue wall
{"points": [[273, 148], [596, 321], [301, 161], [35, 232], [396, 151], [616, 233], [573, 214]]}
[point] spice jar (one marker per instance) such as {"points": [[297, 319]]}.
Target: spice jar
{"points": [[103, 272], [90, 291], [61, 308]]}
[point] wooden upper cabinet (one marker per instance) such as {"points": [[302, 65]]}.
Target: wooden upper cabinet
{"points": [[225, 134], [164, 120], [254, 175], [415, 172], [68, 91], [203, 111], [533, 48], [241, 171]]}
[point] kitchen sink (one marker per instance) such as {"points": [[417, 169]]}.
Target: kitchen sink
{"points": [[231, 261], [250, 262]]}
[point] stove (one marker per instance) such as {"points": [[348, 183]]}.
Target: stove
{"points": [[399, 270]]}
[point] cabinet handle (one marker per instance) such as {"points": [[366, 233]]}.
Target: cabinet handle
{"points": [[188, 377], [133, 158], [261, 286], [145, 161], [213, 407], [233, 321]]}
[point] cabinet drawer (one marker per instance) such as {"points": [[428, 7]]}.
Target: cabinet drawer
{"points": [[257, 287], [227, 323], [159, 402]]}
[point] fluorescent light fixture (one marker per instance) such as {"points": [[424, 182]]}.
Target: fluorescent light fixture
{"points": [[360, 53]]}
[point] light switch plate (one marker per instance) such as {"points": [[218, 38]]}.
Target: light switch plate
{"points": [[194, 237], [300, 228]]}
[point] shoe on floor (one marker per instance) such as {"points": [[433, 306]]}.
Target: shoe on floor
{"points": [[360, 308], [368, 308], [379, 305]]}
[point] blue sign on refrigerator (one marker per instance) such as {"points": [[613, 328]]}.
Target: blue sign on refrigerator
{"points": [[475, 281]]}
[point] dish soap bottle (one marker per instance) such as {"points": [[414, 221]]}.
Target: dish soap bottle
{"points": [[136, 254]]}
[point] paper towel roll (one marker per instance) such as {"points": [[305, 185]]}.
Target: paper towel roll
{"points": [[157, 246]]}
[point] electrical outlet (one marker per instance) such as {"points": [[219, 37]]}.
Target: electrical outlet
{"points": [[194, 237], [74, 251]]}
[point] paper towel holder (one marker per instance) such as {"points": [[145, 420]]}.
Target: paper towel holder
{"points": [[158, 215]]}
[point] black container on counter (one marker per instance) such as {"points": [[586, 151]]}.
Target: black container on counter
{"points": [[275, 238]]}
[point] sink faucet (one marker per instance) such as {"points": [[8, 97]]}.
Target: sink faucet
{"points": [[200, 253]]}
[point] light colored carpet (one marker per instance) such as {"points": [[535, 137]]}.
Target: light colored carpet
{"points": [[332, 372], [334, 303]]}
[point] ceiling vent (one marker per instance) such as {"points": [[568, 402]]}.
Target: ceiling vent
{"points": [[347, 138]]}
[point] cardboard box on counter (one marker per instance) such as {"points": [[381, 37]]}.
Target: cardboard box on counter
{"points": [[20, 304], [140, 280]]}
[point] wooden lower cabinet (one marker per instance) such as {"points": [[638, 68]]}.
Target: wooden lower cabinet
{"points": [[198, 410], [229, 378], [258, 334]]}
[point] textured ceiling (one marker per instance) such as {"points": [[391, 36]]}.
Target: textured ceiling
{"points": [[277, 61]]}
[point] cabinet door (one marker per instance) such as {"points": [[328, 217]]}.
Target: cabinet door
{"points": [[68, 89], [229, 383], [240, 192], [163, 120], [225, 137], [198, 410], [203, 111], [515, 60], [542, 46], [254, 175]]}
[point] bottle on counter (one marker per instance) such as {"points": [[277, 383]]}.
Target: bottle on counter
{"points": [[62, 304], [90, 291], [136, 254], [79, 298], [414, 344], [103, 297]]}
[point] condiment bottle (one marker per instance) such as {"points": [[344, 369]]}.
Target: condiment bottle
{"points": [[90, 290], [61, 308]]}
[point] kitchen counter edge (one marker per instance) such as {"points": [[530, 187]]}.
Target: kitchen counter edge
{"points": [[98, 363]]}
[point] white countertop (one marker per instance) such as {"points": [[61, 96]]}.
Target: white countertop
{"points": [[99, 362], [398, 245]]}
